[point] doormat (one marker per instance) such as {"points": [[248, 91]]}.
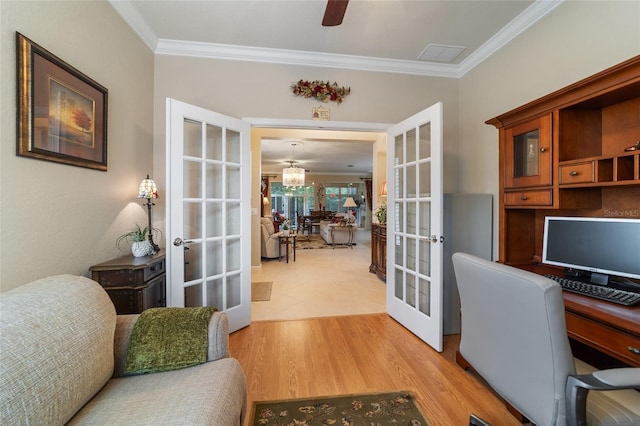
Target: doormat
{"points": [[261, 291], [364, 409]]}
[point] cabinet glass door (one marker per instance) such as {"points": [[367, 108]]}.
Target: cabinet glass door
{"points": [[528, 154]]}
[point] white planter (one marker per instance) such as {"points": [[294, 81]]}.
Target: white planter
{"points": [[141, 248], [285, 232]]}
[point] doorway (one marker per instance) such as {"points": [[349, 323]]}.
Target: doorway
{"points": [[322, 282]]}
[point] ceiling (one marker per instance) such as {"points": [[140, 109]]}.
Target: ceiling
{"points": [[375, 35]]}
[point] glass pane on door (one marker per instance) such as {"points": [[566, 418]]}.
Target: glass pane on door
{"points": [[209, 211], [414, 171]]}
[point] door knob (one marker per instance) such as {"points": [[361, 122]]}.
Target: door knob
{"points": [[179, 241]]}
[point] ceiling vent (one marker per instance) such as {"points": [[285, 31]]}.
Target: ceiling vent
{"points": [[440, 53]]}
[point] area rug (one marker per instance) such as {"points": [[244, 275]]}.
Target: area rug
{"points": [[261, 291], [398, 408], [313, 241]]}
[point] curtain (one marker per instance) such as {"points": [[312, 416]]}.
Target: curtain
{"points": [[367, 184]]}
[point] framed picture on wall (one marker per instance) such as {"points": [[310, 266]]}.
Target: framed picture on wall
{"points": [[62, 113]]}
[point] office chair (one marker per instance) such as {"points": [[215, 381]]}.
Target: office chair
{"points": [[514, 336]]}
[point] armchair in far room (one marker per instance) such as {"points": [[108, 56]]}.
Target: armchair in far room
{"points": [[514, 335], [269, 238]]}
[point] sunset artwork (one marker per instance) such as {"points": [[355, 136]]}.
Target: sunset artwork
{"points": [[71, 116]]}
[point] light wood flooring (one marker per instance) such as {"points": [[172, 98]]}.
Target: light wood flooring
{"points": [[358, 354], [324, 332]]}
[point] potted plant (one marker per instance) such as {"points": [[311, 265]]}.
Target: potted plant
{"points": [[136, 237], [381, 214], [285, 227]]}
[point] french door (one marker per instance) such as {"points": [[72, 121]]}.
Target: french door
{"points": [[414, 224], [208, 211]]}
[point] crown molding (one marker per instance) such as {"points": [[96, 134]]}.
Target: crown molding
{"points": [[303, 58], [132, 17], [521, 23], [531, 15]]}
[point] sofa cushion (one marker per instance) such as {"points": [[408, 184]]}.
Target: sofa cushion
{"points": [[210, 393], [56, 336]]}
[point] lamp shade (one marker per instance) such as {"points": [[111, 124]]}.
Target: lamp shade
{"points": [[383, 190], [349, 202], [148, 189], [293, 176], [265, 200]]}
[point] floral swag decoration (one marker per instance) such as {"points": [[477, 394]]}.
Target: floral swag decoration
{"points": [[319, 90]]}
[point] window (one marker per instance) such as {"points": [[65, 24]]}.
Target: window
{"points": [[337, 195], [292, 201]]}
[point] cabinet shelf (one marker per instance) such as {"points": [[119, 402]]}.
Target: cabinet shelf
{"points": [[600, 171]]}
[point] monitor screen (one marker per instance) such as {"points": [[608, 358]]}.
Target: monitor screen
{"points": [[602, 245]]}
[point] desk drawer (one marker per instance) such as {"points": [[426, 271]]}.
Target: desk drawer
{"points": [[529, 198], [577, 173], [614, 342]]}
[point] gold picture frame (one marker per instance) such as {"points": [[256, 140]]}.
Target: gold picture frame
{"points": [[62, 113]]}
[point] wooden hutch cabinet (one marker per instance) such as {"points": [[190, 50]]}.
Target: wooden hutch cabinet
{"points": [[133, 283], [379, 251], [566, 154]]}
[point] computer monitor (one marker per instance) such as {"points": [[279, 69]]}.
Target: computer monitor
{"points": [[600, 246]]}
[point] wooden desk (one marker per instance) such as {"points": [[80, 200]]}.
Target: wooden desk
{"points": [[611, 329], [607, 327]]}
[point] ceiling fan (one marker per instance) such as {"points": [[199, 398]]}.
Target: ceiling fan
{"points": [[334, 12]]}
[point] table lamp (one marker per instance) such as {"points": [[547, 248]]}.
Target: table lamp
{"points": [[350, 202], [149, 191]]}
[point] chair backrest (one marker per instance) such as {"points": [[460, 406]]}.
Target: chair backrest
{"points": [[514, 335], [267, 227]]}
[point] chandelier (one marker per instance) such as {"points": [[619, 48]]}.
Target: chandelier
{"points": [[293, 176]]}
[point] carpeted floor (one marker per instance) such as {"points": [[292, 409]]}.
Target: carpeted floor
{"points": [[378, 408], [261, 291]]}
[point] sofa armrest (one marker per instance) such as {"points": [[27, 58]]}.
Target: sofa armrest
{"points": [[218, 336], [218, 339], [124, 326]]}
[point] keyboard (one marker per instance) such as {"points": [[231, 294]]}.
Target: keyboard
{"points": [[621, 297]]}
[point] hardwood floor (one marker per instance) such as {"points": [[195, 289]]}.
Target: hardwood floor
{"points": [[358, 354]]}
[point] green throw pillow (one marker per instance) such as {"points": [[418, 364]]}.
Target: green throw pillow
{"points": [[166, 339]]}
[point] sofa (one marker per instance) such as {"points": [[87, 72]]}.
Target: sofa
{"points": [[63, 354], [341, 234], [269, 238]]}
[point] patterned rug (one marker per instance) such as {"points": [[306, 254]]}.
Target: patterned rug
{"points": [[398, 408], [314, 241]]}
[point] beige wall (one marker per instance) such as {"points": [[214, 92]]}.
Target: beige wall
{"points": [[55, 218], [62, 219], [257, 90], [575, 41]]}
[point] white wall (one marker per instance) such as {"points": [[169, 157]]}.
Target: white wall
{"points": [[55, 218], [577, 40]]}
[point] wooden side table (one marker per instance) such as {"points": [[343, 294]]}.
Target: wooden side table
{"points": [[133, 283], [287, 241], [349, 228]]}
